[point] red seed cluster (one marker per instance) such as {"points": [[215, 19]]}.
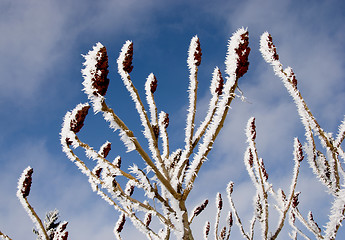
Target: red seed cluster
{"points": [[98, 172], [253, 129], [68, 141], [243, 52], [272, 47], [197, 53], [231, 221], [207, 229], [223, 233], [166, 120], [220, 202], [251, 158], [148, 219], [263, 170], [219, 89], [106, 150], [199, 209], [127, 62], [101, 81], [155, 129], [27, 183], [295, 201], [118, 164], [130, 190], [122, 223], [78, 122], [153, 85], [299, 152]]}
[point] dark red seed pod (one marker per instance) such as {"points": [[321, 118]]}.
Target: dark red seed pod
{"points": [[78, 122], [197, 53], [155, 129], [219, 89], [199, 209], [121, 223], [148, 219], [127, 62], [220, 202], [207, 229], [243, 52], [106, 150], [27, 183], [166, 120], [153, 85], [272, 47], [68, 141], [100, 80]]}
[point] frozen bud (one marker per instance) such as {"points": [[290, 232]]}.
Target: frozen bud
{"points": [[127, 62], [166, 120], [230, 188], [292, 217], [219, 201], [120, 223], [267, 48], [117, 162], [283, 194], [148, 219], [219, 88], [78, 122], [298, 150], [292, 77], [251, 158], [153, 85], [100, 80], [230, 220], [25, 181], [199, 209], [98, 172], [207, 229], [155, 129], [312, 221], [295, 201], [197, 53], [62, 227], [272, 47], [105, 149], [64, 236], [243, 51], [251, 129], [130, 190], [223, 233], [263, 170], [68, 141]]}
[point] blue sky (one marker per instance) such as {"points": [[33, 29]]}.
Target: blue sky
{"points": [[41, 44]]}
